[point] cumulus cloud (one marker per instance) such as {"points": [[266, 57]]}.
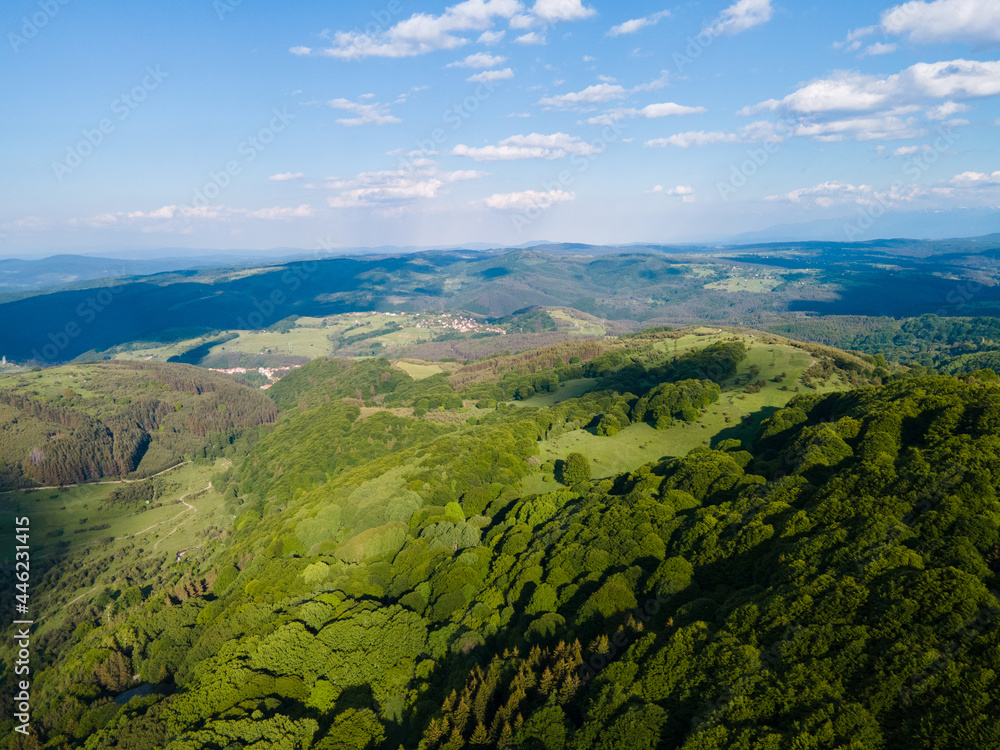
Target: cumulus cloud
{"points": [[975, 179], [740, 17], [553, 11], [549, 12], [421, 179], [531, 38], [910, 150], [368, 113], [966, 189], [478, 60], [760, 131], [424, 32], [900, 105], [488, 76], [945, 21], [600, 93], [650, 111], [852, 91], [685, 192], [490, 38], [528, 200], [420, 33], [635, 24], [596, 94], [287, 176], [532, 146], [878, 48], [827, 194], [693, 138]]}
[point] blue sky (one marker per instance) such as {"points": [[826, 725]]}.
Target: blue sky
{"points": [[244, 124]]}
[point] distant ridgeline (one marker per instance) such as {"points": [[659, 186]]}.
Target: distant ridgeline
{"points": [[115, 419], [760, 286]]}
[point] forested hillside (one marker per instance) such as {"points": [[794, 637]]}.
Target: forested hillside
{"points": [[72, 424], [407, 568]]}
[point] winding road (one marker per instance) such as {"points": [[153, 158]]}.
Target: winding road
{"points": [[110, 481]]}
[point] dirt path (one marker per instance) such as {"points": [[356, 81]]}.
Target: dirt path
{"points": [[110, 481], [76, 598], [187, 507]]}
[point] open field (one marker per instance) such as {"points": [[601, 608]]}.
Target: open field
{"points": [[80, 522], [417, 369], [737, 414], [751, 284]]}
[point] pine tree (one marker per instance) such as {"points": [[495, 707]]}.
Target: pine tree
{"points": [[548, 682], [505, 736], [434, 733], [479, 736]]}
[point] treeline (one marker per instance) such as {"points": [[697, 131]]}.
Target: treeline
{"points": [[930, 341], [140, 419]]}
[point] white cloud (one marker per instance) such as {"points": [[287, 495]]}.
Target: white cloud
{"points": [[596, 94], [421, 179], [975, 21], [488, 76], [946, 110], [287, 176], [882, 107], [825, 194], [532, 37], [873, 128], [552, 11], [668, 109], [910, 150], [693, 138], [836, 193], [529, 199], [975, 179], [760, 131], [657, 83], [367, 114], [878, 48], [175, 217], [656, 189], [633, 25], [478, 60], [299, 212], [420, 33], [684, 192], [532, 146], [739, 17], [490, 38], [968, 188], [650, 111]]}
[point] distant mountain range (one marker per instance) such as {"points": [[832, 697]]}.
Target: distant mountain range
{"points": [[756, 285]]}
